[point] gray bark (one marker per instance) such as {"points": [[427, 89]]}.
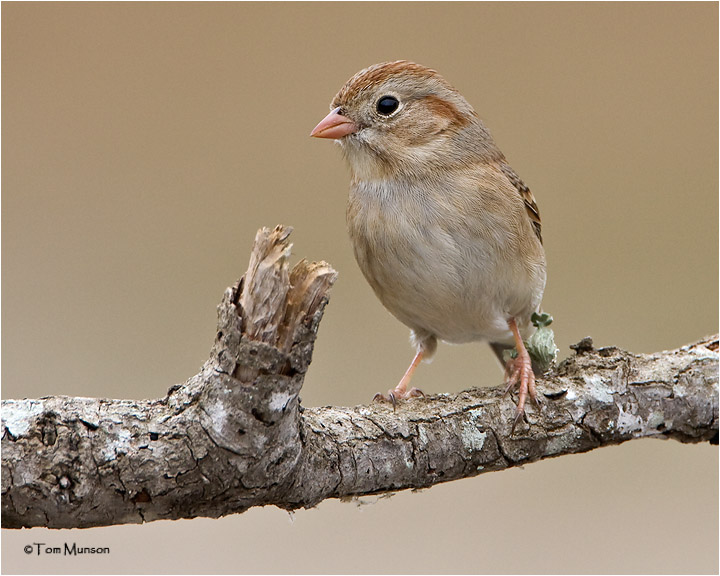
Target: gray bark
{"points": [[235, 435]]}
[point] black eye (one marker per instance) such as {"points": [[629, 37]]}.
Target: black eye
{"points": [[387, 105]]}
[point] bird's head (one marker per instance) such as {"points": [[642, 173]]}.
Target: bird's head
{"points": [[401, 117]]}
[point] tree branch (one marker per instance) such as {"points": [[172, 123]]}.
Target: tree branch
{"points": [[235, 436]]}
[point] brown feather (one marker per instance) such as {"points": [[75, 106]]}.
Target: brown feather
{"points": [[370, 77], [446, 110], [530, 206]]}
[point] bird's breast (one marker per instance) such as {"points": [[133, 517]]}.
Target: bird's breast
{"points": [[427, 266]]}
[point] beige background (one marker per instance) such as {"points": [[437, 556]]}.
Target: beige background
{"points": [[144, 144]]}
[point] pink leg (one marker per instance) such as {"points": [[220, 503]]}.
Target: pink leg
{"points": [[519, 373], [401, 392]]}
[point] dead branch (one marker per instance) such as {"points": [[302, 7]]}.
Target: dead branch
{"points": [[235, 436]]}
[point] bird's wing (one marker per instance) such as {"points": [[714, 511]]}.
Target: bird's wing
{"points": [[527, 196]]}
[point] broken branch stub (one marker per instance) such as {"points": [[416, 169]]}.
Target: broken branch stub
{"points": [[225, 440], [266, 332], [274, 306], [274, 302], [265, 285]]}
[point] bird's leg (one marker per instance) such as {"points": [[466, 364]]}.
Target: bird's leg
{"points": [[401, 392], [519, 372]]}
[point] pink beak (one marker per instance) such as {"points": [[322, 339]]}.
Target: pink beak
{"points": [[335, 126]]}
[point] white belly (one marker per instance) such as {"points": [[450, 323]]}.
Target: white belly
{"points": [[436, 273]]}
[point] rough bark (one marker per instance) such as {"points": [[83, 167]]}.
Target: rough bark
{"points": [[235, 436]]}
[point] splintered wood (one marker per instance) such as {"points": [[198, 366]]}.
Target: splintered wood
{"points": [[275, 301]]}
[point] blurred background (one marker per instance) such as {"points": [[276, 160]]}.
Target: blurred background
{"points": [[143, 144]]}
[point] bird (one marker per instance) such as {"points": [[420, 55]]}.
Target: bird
{"points": [[444, 230]]}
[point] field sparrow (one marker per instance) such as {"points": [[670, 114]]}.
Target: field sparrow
{"points": [[443, 229]]}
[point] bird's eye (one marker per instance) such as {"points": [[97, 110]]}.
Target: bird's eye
{"points": [[387, 105]]}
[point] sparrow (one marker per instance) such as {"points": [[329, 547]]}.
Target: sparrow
{"points": [[444, 230]]}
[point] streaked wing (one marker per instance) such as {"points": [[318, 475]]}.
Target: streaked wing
{"points": [[527, 196]]}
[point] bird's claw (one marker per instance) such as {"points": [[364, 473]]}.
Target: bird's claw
{"points": [[520, 373], [396, 394], [519, 415]]}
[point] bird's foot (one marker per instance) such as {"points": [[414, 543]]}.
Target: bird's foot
{"points": [[520, 373], [400, 392]]}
